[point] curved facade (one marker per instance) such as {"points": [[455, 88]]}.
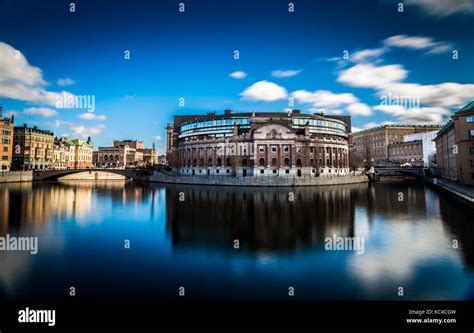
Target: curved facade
{"points": [[259, 144]]}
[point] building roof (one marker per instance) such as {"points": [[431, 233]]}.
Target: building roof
{"points": [[445, 128], [396, 126], [468, 107]]}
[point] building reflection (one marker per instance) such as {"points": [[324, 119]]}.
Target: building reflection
{"points": [[260, 218], [27, 206]]}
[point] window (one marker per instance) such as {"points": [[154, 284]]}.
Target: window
{"points": [[471, 150], [471, 163], [298, 162], [274, 162], [261, 149], [274, 149], [5, 148], [228, 162], [262, 162], [261, 171], [470, 134], [217, 171], [287, 161], [298, 149], [227, 171], [244, 162], [470, 119], [287, 171], [219, 162], [286, 149], [274, 171]]}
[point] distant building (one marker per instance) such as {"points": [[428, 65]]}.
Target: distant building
{"points": [[125, 153], [411, 152], [64, 152], [33, 148], [6, 141], [428, 145], [162, 160], [455, 146], [82, 153], [372, 145]]}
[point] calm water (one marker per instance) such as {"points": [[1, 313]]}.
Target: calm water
{"points": [[82, 227]]}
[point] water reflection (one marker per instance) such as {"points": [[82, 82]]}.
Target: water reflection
{"points": [[408, 230]]}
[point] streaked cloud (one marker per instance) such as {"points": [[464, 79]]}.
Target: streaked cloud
{"points": [[422, 115], [359, 109], [83, 132], [285, 73], [43, 112], [367, 54], [238, 75], [65, 82], [264, 91], [366, 75], [442, 8], [21, 81], [418, 43], [92, 116]]}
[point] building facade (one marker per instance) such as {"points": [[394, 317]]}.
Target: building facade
{"points": [[124, 154], [455, 147], [32, 148], [411, 152], [82, 155], [63, 153], [259, 144], [372, 145], [6, 141]]}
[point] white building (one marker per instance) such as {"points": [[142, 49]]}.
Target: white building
{"points": [[429, 147]]}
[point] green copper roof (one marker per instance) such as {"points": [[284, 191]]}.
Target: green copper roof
{"points": [[446, 127], [468, 107]]}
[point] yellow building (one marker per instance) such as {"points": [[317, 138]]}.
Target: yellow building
{"points": [[6, 141], [33, 148]]}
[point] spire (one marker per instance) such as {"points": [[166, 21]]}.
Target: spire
{"points": [[153, 146]]}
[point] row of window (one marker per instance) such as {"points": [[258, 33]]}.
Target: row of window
{"points": [[214, 123]]}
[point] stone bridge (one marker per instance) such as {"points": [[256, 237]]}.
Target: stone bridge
{"points": [[55, 174], [395, 171]]}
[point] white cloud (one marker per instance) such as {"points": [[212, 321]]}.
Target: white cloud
{"points": [[370, 76], [21, 81], [417, 43], [44, 112], [83, 132], [423, 115], [264, 91], [448, 94], [285, 73], [65, 82], [92, 116], [359, 109], [356, 129], [238, 75], [157, 137], [324, 98], [442, 8], [367, 54], [375, 124]]}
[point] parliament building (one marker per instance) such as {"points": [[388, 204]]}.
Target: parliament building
{"points": [[259, 144]]}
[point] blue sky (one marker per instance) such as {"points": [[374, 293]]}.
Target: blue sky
{"points": [[286, 60]]}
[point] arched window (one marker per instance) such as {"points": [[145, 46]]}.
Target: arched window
{"points": [[298, 162], [262, 162], [311, 162], [274, 162], [228, 163], [106, 157], [202, 162], [209, 161], [287, 161], [219, 162], [195, 162], [189, 162], [117, 157], [244, 162]]}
